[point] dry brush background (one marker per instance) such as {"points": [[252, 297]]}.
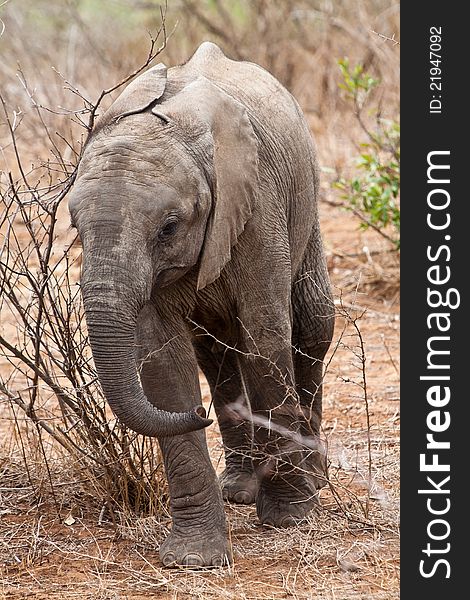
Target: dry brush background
{"points": [[83, 503]]}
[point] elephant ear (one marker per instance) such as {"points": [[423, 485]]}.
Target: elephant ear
{"points": [[235, 156], [138, 95]]}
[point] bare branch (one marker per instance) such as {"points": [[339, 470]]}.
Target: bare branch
{"points": [[153, 52]]}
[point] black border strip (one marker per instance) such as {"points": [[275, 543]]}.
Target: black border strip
{"points": [[431, 199]]}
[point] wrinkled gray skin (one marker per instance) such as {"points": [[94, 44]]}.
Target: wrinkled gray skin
{"points": [[196, 203]]}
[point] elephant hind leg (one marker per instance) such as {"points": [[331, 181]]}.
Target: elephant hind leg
{"points": [[288, 496], [220, 366], [313, 323]]}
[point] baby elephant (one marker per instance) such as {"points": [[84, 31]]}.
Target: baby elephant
{"points": [[196, 203]]}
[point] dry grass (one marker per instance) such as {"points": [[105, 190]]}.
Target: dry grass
{"points": [[59, 538]]}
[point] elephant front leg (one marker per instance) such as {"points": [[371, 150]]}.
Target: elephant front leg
{"points": [[287, 490], [198, 535], [169, 377]]}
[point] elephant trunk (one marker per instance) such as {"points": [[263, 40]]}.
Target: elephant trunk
{"points": [[111, 313]]}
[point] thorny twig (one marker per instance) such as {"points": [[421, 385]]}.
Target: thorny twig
{"points": [[386, 37]]}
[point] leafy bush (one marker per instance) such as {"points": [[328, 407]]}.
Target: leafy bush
{"points": [[372, 194]]}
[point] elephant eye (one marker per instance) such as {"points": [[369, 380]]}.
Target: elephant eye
{"points": [[168, 229]]}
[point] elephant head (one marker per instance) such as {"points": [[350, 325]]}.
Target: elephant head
{"points": [[167, 182]]}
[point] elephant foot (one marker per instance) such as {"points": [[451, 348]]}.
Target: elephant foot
{"points": [[238, 486], [195, 551], [283, 504]]}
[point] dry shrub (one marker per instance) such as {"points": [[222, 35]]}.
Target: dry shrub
{"points": [[47, 373]]}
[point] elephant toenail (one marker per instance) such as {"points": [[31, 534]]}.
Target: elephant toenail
{"points": [[287, 521], [267, 522], [169, 559], [242, 497], [217, 561], [193, 560]]}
